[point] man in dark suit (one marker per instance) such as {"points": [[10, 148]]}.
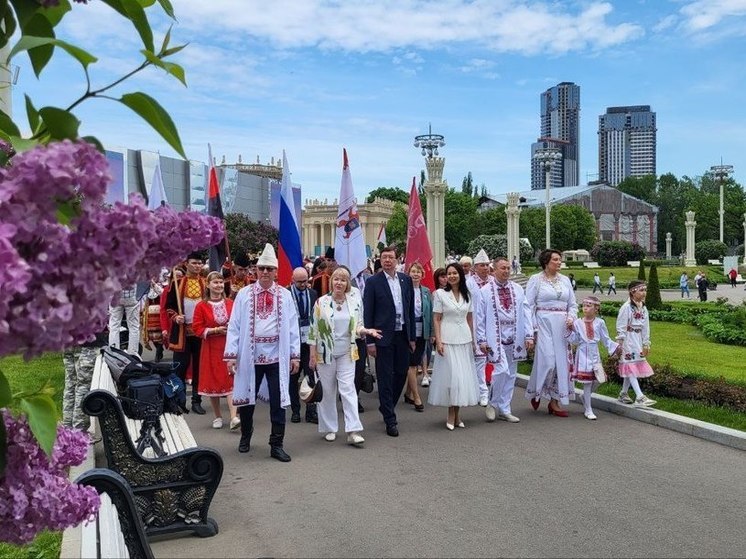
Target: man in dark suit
{"points": [[304, 298], [388, 306]]}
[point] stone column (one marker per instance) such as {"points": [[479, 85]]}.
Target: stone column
{"points": [[668, 246], [513, 213], [435, 188], [690, 261]]}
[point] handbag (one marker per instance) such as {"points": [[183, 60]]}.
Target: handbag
{"points": [[598, 370], [310, 389], [366, 384]]}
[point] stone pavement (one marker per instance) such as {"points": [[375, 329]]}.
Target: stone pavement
{"points": [[735, 295], [545, 487]]}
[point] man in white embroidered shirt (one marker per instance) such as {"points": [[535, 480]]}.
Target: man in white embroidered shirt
{"points": [[263, 344]]}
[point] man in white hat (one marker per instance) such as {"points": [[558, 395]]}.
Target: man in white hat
{"points": [[263, 343], [504, 330], [474, 281]]}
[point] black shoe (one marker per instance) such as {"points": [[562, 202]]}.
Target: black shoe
{"points": [[244, 445], [419, 407], [295, 418], [408, 400], [197, 408], [392, 430], [360, 408], [312, 419], [278, 453]]}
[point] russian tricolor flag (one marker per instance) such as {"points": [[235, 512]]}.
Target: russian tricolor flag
{"points": [[289, 252]]}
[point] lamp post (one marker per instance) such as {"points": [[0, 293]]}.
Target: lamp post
{"points": [[721, 173], [435, 190], [546, 158]]}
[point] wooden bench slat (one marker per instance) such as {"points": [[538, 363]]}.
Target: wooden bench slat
{"points": [[89, 540]]}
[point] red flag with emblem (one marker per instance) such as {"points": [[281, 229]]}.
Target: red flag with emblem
{"points": [[418, 243]]}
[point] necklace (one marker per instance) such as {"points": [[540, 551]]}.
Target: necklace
{"points": [[556, 284], [339, 303]]}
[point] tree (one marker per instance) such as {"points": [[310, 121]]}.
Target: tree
{"points": [[493, 221], [497, 245], [653, 299], [641, 270], [461, 220], [396, 228], [616, 253], [467, 185], [643, 188], [246, 236], [393, 193], [709, 250], [573, 227]]}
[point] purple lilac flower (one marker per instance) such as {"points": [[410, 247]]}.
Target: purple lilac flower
{"points": [[58, 279], [35, 492]]}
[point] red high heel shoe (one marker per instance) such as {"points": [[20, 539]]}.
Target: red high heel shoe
{"points": [[535, 403], [559, 412]]}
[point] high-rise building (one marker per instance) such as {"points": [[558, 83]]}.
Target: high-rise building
{"points": [[560, 126], [626, 143]]}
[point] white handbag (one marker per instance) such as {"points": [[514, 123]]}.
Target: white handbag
{"points": [[598, 370]]}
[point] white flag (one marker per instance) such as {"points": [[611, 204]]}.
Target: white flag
{"points": [[157, 196], [349, 245]]}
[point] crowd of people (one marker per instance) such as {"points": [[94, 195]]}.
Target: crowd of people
{"points": [[241, 336]]}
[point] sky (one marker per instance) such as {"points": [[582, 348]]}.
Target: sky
{"points": [[315, 76]]}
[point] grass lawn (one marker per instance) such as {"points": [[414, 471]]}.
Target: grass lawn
{"points": [[32, 375]]}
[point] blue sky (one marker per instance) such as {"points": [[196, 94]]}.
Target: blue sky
{"points": [[314, 76]]}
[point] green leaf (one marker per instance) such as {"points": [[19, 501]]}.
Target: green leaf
{"points": [[155, 115], [168, 8], [67, 210], [133, 11], [26, 10], [172, 50], [23, 144], [5, 395], [3, 448], [59, 123], [170, 67], [166, 40], [7, 125], [94, 142], [42, 418], [40, 55], [33, 115], [30, 42], [8, 23]]}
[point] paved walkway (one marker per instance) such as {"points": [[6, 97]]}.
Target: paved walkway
{"points": [[735, 295], [546, 487]]}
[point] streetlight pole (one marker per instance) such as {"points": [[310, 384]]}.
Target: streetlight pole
{"points": [[721, 173], [546, 158]]}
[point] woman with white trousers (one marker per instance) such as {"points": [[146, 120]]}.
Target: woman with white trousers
{"points": [[337, 321]]}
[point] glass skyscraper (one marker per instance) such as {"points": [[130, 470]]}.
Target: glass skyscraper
{"points": [[626, 143], [560, 127]]}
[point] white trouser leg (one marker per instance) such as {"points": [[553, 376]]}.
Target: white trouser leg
{"points": [[480, 362], [327, 407], [505, 384], [587, 391], [132, 313], [347, 392], [115, 322]]}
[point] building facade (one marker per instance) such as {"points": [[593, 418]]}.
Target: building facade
{"points": [[626, 143], [560, 123]]}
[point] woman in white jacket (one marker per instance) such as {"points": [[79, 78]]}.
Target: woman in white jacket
{"points": [[337, 320]]}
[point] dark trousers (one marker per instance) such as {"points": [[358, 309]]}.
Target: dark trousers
{"points": [[392, 362], [360, 364], [611, 289], [305, 356], [192, 347], [276, 412]]}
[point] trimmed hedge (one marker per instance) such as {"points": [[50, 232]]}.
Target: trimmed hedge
{"points": [[667, 381]]}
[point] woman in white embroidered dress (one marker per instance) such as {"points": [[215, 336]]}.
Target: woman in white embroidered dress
{"points": [[454, 382], [337, 321], [552, 301]]}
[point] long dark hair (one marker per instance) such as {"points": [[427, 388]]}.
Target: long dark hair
{"points": [[461, 281]]}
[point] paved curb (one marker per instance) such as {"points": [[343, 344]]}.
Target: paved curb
{"points": [[701, 429]]}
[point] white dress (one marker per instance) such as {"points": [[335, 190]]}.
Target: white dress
{"points": [[454, 379], [551, 303], [633, 332]]}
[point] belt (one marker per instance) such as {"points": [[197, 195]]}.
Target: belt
{"points": [[549, 309], [630, 329]]}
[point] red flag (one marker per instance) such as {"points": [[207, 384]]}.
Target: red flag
{"points": [[418, 243], [219, 253]]}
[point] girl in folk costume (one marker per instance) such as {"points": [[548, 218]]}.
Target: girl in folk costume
{"points": [[587, 333], [176, 274], [210, 323], [151, 320], [633, 332]]}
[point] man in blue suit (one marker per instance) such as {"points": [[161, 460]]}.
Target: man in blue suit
{"points": [[388, 306]]}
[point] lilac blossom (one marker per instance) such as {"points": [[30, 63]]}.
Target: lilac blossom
{"points": [[58, 279], [35, 492]]}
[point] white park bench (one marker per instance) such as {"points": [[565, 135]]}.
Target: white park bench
{"points": [[591, 265], [173, 491], [633, 263]]}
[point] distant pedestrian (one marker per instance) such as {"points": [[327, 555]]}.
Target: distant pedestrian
{"points": [[514, 265], [573, 282], [733, 274], [684, 285], [597, 283], [612, 284], [702, 286]]}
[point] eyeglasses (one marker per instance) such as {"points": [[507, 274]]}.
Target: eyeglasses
{"points": [[265, 268]]}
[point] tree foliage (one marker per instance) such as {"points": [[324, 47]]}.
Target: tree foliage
{"points": [[572, 227], [460, 224], [653, 299], [497, 245], [396, 228], [641, 270], [246, 236], [393, 193], [616, 253], [709, 250], [493, 221]]}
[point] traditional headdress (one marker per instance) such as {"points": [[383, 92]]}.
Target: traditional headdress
{"points": [[268, 257], [592, 300], [481, 257]]}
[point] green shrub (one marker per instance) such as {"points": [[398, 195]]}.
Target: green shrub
{"points": [[641, 271], [653, 300], [709, 250], [616, 253]]}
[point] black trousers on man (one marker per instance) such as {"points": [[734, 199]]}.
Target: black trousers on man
{"points": [[276, 412], [392, 362], [192, 347]]}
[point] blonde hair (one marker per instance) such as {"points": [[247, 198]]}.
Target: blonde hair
{"points": [[340, 271], [417, 266], [211, 276]]}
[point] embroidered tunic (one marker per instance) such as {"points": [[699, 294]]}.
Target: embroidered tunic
{"points": [[587, 336], [214, 379], [633, 332]]}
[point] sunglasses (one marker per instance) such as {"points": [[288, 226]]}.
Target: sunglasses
{"points": [[265, 268]]}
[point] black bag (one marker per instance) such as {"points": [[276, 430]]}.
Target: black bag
{"points": [[366, 385], [123, 366], [142, 398], [174, 394]]}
